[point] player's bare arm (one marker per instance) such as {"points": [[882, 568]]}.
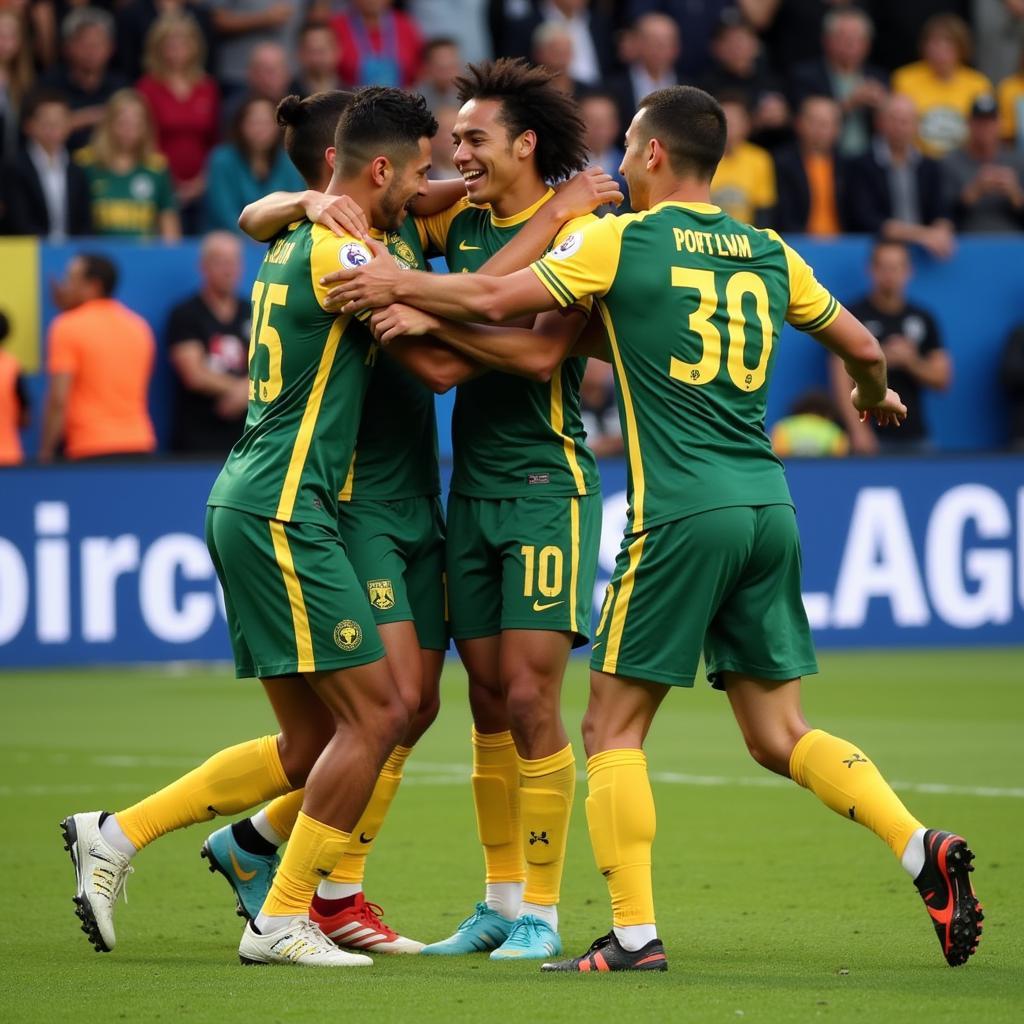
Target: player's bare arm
{"points": [[864, 360]]}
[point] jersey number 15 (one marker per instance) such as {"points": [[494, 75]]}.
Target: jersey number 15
{"points": [[264, 298]]}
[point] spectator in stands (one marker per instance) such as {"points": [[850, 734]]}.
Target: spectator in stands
{"points": [[248, 166], [843, 73], [45, 192], [16, 78], [99, 360], [738, 65], [984, 179], [241, 26], [898, 27], [15, 409], [39, 26], [207, 344], [442, 151], [700, 20], [1011, 104], [379, 46], [941, 84], [744, 183], [604, 134], [464, 21], [999, 36], [1011, 377], [318, 60], [655, 45], [552, 48], [267, 76], [810, 430], [442, 64], [84, 76], [894, 190], [599, 411], [135, 18], [913, 351], [184, 103], [132, 194], [809, 175]]}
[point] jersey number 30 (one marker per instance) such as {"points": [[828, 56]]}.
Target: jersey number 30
{"points": [[264, 298], [737, 288]]}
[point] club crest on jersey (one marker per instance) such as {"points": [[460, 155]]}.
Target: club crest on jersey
{"points": [[567, 246], [353, 255], [381, 593], [348, 634], [402, 251]]}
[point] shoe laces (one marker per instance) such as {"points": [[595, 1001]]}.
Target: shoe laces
{"points": [[525, 930], [110, 879], [481, 909], [370, 914]]}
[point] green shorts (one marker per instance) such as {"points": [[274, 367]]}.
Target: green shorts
{"points": [[522, 563], [292, 599], [727, 581], [397, 551]]}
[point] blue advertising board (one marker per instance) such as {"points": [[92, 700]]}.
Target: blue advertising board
{"points": [[107, 564]]}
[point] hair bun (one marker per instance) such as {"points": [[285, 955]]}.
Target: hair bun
{"points": [[290, 111]]}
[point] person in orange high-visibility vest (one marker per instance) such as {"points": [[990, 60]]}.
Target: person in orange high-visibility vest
{"points": [[14, 405]]}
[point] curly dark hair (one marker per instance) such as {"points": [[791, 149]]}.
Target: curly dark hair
{"points": [[381, 120], [309, 125], [531, 102]]}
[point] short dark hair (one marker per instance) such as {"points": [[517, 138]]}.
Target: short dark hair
{"points": [[690, 124], [531, 102], [379, 120], [41, 98], [99, 269], [880, 242], [439, 43], [309, 125]]}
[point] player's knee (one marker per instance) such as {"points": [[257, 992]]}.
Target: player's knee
{"points": [[773, 751], [298, 753], [530, 700]]}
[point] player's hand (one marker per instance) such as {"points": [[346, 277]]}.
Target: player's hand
{"points": [[341, 214], [583, 193], [401, 321], [368, 287], [889, 412]]}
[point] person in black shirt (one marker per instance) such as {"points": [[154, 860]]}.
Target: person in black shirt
{"points": [[909, 336], [207, 338]]}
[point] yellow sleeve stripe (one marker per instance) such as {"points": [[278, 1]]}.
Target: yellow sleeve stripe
{"points": [[305, 661], [618, 619], [636, 463], [574, 556], [829, 314], [558, 426], [304, 437], [553, 285], [345, 494]]}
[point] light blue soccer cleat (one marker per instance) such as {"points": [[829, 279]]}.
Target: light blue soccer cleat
{"points": [[530, 939], [248, 874], [484, 929]]}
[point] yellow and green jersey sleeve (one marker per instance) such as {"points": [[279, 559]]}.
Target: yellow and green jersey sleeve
{"points": [[811, 306]]}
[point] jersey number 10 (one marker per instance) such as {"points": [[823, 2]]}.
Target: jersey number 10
{"points": [[737, 288]]}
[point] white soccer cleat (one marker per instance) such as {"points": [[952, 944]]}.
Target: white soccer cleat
{"points": [[300, 943], [360, 927], [101, 872]]}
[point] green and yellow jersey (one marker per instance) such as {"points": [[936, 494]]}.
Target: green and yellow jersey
{"points": [[512, 437], [396, 449], [308, 373], [693, 302], [128, 204]]}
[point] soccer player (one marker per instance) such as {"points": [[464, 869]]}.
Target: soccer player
{"points": [[693, 302], [298, 616], [388, 515], [523, 519]]}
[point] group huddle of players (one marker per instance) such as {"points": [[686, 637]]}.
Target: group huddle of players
{"points": [[344, 583]]}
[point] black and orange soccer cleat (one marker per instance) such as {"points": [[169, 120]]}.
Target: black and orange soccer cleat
{"points": [[606, 954], [945, 886]]}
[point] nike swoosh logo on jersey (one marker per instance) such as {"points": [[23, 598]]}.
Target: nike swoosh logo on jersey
{"points": [[468, 248], [245, 876], [538, 607]]}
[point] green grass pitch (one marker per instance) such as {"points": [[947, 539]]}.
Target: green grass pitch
{"points": [[772, 908]]}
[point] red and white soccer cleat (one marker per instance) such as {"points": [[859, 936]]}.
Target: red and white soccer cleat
{"points": [[360, 927]]}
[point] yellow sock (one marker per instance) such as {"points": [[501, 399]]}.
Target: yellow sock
{"points": [[546, 789], [352, 865], [232, 780], [496, 799], [842, 778], [282, 812], [312, 852], [620, 815]]}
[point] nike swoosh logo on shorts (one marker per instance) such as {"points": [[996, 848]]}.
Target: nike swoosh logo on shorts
{"points": [[538, 607]]}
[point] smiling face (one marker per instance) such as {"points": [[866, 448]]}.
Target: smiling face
{"points": [[485, 156], [409, 182]]}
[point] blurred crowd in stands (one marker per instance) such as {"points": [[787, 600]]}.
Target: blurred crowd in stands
{"points": [[154, 119]]}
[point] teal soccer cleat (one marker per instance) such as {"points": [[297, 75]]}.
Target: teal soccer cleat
{"points": [[530, 939], [484, 929], [248, 874]]}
